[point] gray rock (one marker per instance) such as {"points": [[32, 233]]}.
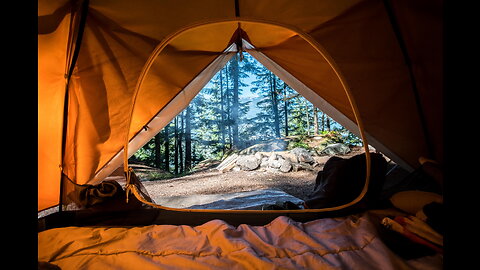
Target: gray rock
{"points": [[302, 166], [248, 163], [275, 164], [258, 156], [264, 162], [286, 166], [336, 149], [302, 155]]}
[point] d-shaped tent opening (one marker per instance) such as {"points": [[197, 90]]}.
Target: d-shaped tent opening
{"points": [[165, 86], [207, 159]]}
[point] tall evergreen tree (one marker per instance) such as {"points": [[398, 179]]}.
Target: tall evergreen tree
{"points": [[175, 146], [158, 150], [188, 139], [167, 147]]}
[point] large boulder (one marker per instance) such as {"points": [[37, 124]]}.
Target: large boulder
{"points": [[247, 162], [336, 149], [302, 154], [285, 166]]}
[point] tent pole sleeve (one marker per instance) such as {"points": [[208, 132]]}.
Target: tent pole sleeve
{"points": [[408, 62], [72, 57], [237, 9]]}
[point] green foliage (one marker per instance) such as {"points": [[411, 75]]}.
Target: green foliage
{"points": [[341, 135], [299, 144], [145, 155], [300, 141], [156, 175], [332, 137]]}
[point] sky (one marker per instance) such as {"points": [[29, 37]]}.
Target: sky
{"points": [[246, 95]]}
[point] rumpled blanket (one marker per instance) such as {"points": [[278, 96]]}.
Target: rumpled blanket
{"points": [[331, 243]]}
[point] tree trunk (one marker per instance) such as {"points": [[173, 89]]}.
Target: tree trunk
{"points": [[315, 120], [285, 108], [158, 158], [235, 103], [323, 121], [188, 140], [175, 147], [308, 117], [273, 91], [228, 108], [222, 114], [167, 147], [180, 142]]}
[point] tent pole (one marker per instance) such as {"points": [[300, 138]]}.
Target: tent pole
{"points": [[408, 62], [237, 9], [72, 58]]}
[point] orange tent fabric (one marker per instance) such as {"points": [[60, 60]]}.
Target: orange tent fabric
{"points": [[136, 57]]}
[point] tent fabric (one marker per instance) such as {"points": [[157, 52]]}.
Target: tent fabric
{"points": [[54, 25], [173, 107], [120, 38], [351, 242]]}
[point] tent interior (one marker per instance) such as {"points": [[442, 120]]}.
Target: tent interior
{"points": [[112, 74]]}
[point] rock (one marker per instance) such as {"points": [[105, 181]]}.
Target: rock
{"points": [[258, 156], [336, 149], [273, 145], [275, 163], [286, 166], [247, 163], [264, 162], [302, 155], [288, 156], [302, 166]]}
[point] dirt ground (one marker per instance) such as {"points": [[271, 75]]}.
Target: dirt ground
{"points": [[299, 184]]}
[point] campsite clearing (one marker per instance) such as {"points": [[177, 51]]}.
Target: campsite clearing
{"points": [[298, 184], [211, 181]]}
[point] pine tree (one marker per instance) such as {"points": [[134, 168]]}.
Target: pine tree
{"points": [[188, 140], [167, 147], [175, 147], [158, 150], [266, 121]]}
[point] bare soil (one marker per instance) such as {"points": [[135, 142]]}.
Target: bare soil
{"points": [[211, 181], [299, 184]]}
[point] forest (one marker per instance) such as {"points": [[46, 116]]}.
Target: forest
{"points": [[244, 104]]}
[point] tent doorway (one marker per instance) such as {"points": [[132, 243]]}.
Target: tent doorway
{"points": [[159, 94], [209, 150]]}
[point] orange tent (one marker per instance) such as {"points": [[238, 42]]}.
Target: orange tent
{"points": [[111, 74]]}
